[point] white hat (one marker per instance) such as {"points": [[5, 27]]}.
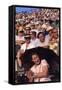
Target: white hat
{"points": [[49, 28]]}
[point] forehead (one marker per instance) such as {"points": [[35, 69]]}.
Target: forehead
{"points": [[34, 55], [41, 34], [55, 30]]}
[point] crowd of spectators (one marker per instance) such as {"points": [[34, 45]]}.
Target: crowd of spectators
{"points": [[40, 28]]}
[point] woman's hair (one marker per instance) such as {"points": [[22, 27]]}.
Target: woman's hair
{"points": [[34, 53]]}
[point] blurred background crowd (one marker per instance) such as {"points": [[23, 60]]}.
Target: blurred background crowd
{"points": [[41, 26]]}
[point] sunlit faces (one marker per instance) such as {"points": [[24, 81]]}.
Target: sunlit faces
{"points": [[41, 37], [36, 59], [55, 33], [33, 34]]}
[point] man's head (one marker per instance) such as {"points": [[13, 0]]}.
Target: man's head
{"points": [[41, 36], [20, 33], [36, 58], [55, 33], [28, 29], [33, 34], [27, 38]]}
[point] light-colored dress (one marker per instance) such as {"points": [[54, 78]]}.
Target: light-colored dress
{"points": [[38, 69]]}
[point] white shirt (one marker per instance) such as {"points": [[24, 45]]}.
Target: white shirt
{"points": [[37, 69], [45, 43], [35, 42], [20, 38], [30, 46]]}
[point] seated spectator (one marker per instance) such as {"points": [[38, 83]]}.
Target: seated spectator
{"points": [[42, 40], [34, 40], [39, 71], [18, 62]]}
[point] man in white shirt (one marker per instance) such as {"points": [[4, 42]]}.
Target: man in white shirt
{"points": [[27, 44], [39, 71], [34, 40]]}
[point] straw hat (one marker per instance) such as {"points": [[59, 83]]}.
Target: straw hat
{"points": [[49, 28]]}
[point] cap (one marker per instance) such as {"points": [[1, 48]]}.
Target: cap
{"points": [[27, 36]]}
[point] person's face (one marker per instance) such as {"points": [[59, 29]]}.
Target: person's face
{"points": [[39, 27], [32, 36], [55, 33], [28, 32], [17, 27], [27, 40], [33, 27], [20, 34], [35, 59], [42, 37]]}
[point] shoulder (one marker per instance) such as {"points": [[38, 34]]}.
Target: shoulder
{"points": [[32, 68], [23, 45], [44, 62], [32, 45]]}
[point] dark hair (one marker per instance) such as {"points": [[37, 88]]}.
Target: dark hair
{"points": [[34, 53], [34, 33], [40, 33]]}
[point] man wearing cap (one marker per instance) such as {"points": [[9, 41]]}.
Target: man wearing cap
{"points": [[27, 44]]}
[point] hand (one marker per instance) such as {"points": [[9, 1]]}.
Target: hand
{"points": [[21, 51], [18, 54], [29, 75]]}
